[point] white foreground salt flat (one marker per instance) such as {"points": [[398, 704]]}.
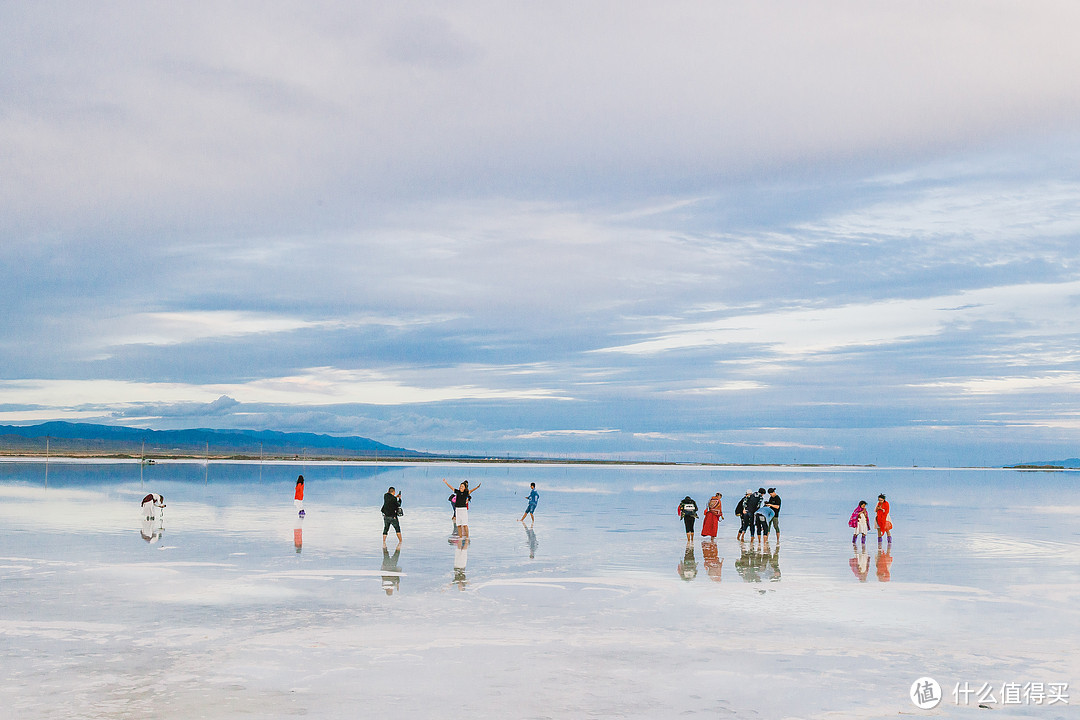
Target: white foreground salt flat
{"points": [[231, 606]]}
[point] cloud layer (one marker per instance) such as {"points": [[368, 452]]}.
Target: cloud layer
{"points": [[708, 231]]}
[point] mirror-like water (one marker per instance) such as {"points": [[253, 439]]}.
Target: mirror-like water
{"points": [[230, 604]]}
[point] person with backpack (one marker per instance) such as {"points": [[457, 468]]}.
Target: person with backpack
{"points": [[688, 512]]}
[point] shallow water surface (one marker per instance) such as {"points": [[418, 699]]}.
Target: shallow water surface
{"points": [[232, 605]]}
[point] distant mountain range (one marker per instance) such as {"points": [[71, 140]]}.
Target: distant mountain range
{"points": [[88, 439]]}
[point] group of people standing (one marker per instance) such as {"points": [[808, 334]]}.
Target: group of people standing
{"points": [[459, 502], [757, 513]]}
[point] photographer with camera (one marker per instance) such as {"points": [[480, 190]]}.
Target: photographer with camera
{"points": [[391, 511]]}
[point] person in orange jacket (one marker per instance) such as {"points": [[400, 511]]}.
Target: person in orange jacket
{"points": [[298, 496]]}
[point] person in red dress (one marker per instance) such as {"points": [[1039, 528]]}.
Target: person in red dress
{"points": [[884, 521], [714, 513]]}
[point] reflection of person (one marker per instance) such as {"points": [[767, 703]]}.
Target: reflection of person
{"points": [[688, 512], [884, 564], [534, 497], [151, 504], [298, 496], [391, 509], [461, 559], [714, 564], [771, 563], [150, 531], [461, 505], [883, 519], [298, 535], [688, 567], [714, 513], [860, 522], [773, 501], [530, 534], [747, 564], [860, 564], [391, 579]]}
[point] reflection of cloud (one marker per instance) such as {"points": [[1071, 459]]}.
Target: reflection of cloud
{"points": [[581, 490]]}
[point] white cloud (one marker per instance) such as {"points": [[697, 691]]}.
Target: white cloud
{"points": [[732, 386], [563, 433], [316, 386], [264, 106], [175, 328], [995, 224], [1005, 385], [1028, 309]]}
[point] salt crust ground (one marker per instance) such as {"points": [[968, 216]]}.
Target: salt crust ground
{"points": [[220, 617]]}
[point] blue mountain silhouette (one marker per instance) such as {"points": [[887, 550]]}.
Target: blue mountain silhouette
{"points": [[119, 439]]}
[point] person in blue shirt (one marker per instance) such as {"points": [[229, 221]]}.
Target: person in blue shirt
{"points": [[534, 497]]}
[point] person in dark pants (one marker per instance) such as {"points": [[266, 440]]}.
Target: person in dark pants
{"points": [[753, 502], [745, 519], [391, 579], [773, 501], [761, 521], [688, 512], [391, 509]]}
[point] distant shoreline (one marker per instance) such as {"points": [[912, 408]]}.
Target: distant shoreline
{"points": [[9, 455], [462, 459]]}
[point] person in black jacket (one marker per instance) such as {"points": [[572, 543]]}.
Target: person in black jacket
{"points": [[752, 504], [688, 512], [391, 509], [746, 518]]}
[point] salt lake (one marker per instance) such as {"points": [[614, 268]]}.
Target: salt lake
{"points": [[231, 605]]}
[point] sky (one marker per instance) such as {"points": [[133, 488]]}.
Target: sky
{"points": [[685, 231]]}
